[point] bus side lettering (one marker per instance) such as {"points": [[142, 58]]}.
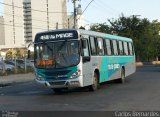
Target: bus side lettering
{"points": [[113, 66]]}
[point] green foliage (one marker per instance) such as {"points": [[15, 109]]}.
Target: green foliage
{"points": [[14, 53], [18, 53], [9, 54], [144, 33], [101, 28]]}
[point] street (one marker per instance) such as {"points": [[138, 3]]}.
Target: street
{"points": [[140, 92]]}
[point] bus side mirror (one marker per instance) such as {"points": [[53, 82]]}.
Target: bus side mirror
{"points": [[29, 54], [84, 43]]}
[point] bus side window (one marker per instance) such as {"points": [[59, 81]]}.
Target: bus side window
{"points": [[100, 46], [118, 50], [112, 49], [85, 48], [108, 46], [93, 46], [121, 50], [125, 48], [115, 47], [133, 52], [130, 48]]}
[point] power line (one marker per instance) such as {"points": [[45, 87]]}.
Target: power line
{"points": [[103, 8], [85, 9], [33, 26], [106, 7], [31, 9], [88, 21], [23, 17], [21, 26]]}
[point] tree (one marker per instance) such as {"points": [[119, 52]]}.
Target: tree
{"points": [[18, 53], [9, 54], [101, 28], [145, 34]]}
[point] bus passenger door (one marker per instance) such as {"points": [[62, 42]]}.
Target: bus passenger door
{"points": [[86, 63]]}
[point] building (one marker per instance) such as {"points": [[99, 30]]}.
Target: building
{"points": [[47, 15], [24, 18], [2, 35], [79, 18]]}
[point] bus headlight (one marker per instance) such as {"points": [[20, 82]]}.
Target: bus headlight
{"points": [[75, 74]]}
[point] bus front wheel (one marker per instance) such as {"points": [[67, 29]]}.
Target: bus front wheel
{"points": [[95, 84]]}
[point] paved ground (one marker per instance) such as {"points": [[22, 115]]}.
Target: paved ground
{"points": [[140, 92]]}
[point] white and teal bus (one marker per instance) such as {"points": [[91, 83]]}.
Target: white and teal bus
{"points": [[80, 58]]}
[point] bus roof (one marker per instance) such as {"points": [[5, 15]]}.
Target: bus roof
{"points": [[92, 33], [103, 35]]}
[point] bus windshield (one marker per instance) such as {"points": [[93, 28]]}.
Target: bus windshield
{"points": [[57, 54]]}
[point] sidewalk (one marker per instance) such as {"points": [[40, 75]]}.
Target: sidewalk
{"points": [[156, 63], [17, 78]]}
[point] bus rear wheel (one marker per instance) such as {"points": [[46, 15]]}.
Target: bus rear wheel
{"points": [[95, 84], [122, 78], [122, 75]]}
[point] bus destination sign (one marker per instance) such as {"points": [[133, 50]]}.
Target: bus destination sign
{"points": [[56, 35]]}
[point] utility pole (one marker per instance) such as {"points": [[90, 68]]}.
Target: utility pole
{"points": [[14, 38], [57, 25], [68, 23], [74, 13], [47, 15]]}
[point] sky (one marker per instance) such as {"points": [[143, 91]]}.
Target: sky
{"points": [[101, 10], [1, 8]]}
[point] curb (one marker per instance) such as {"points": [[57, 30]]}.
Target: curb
{"points": [[140, 64], [15, 79], [4, 84]]}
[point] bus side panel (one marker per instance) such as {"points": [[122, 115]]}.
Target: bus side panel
{"points": [[130, 67], [110, 67], [104, 74], [88, 70]]}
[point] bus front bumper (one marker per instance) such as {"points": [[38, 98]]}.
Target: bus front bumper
{"points": [[76, 82]]}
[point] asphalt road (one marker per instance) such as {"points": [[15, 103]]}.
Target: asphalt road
{"points": [[141, 92]]}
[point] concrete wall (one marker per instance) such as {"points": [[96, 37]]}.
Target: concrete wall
{"points": [[56, 17], [2, 36], [14, 35]]}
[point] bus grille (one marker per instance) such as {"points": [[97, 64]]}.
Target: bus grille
{"points": [[57, 83], [57, 73]]}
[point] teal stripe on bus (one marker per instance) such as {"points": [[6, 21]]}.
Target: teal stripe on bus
{"points": [[105, 74], [118, 38]]}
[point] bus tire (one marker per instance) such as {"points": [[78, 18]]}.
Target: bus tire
{"points": [[122, 79], [95, 84]]}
